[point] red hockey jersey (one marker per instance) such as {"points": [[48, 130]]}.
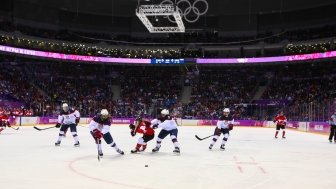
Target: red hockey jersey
{"points": [[280, 120], [4, 120], [145, 128]]}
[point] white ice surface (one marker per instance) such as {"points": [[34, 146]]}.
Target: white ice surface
{"points": [[253, 160]]}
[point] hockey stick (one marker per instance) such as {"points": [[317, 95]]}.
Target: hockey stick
{"points": [[203, 138], [39, 129], [15, 128], [97, 141]]}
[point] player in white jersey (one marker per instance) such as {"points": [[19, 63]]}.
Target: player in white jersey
{"points": [[100, 128], [224, 125], [168, 127], [332, 128], [67, 118]]}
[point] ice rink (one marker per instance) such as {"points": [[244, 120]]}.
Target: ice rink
{"points": [[253, 159]]}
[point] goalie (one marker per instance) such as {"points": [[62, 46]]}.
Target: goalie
{"points": [[143, 127]]}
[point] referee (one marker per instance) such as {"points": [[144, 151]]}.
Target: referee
{"points": [[332, 127]]}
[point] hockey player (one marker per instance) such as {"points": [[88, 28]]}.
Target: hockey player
{"points": [[4, 122], [143, 127], [68, 118], [332, 128], [224, 125], [281, 122], [100, 128], [169, 127]]}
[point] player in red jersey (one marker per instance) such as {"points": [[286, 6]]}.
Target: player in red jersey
{"points": [[4, 122], [281, 122], [143, 127]]}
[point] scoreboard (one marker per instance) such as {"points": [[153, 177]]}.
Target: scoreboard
{"points": [[167, 61]]}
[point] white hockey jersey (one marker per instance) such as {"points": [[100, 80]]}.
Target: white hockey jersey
{"points": [[68, 117]]}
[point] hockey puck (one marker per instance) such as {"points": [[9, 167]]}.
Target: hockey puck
{"points": [[146, 165]]}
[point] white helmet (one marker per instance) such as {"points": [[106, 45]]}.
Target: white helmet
{"points": [[226, 110], [165, 112], [104, 112], [65, 106]]}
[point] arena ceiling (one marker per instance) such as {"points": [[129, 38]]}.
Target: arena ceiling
{"points": [[216, 7], [222, 15]]}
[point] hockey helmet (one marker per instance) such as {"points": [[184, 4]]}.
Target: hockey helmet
{"points": [[104, 113], [165, 112], [226, 110], [65, 107]]}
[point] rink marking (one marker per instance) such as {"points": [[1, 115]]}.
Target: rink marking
{"points": [[253, 162], [262, 169], [240, 169], [71, 167]]}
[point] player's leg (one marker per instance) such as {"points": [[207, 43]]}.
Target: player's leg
{"points": [[334, 132], [146, 138], [138, 146], [109, 140], [98, 143], [277, 131], [65, 132], [216, 134], [73, 129], [61, 134], [225, 138], [163, 133], [283, 131], [331, 135], [173, 136], [1, 127]]}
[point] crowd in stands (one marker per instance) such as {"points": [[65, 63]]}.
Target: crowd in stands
{"points": [[218, 88], [15, 87], [88, 88], [304, 86], [42, 86], [144, 88], [310, 48]]}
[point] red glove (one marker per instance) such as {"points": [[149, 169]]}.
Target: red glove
{"points": [[230, 127], [97, 134], [77, 120]]}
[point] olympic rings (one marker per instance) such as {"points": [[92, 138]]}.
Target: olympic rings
{"points": [[189, 10]]}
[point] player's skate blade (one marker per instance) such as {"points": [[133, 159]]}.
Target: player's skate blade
{"points": [[177, 151], [77, 144], [58, 143], [135, 151], [156, 149], [120, 152]]}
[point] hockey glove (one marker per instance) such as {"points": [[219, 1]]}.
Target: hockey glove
{"points": [[77, 121], [97, 134], [132, 133], [155, 126], [58, 125], [230, 127], [131, 126]]}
